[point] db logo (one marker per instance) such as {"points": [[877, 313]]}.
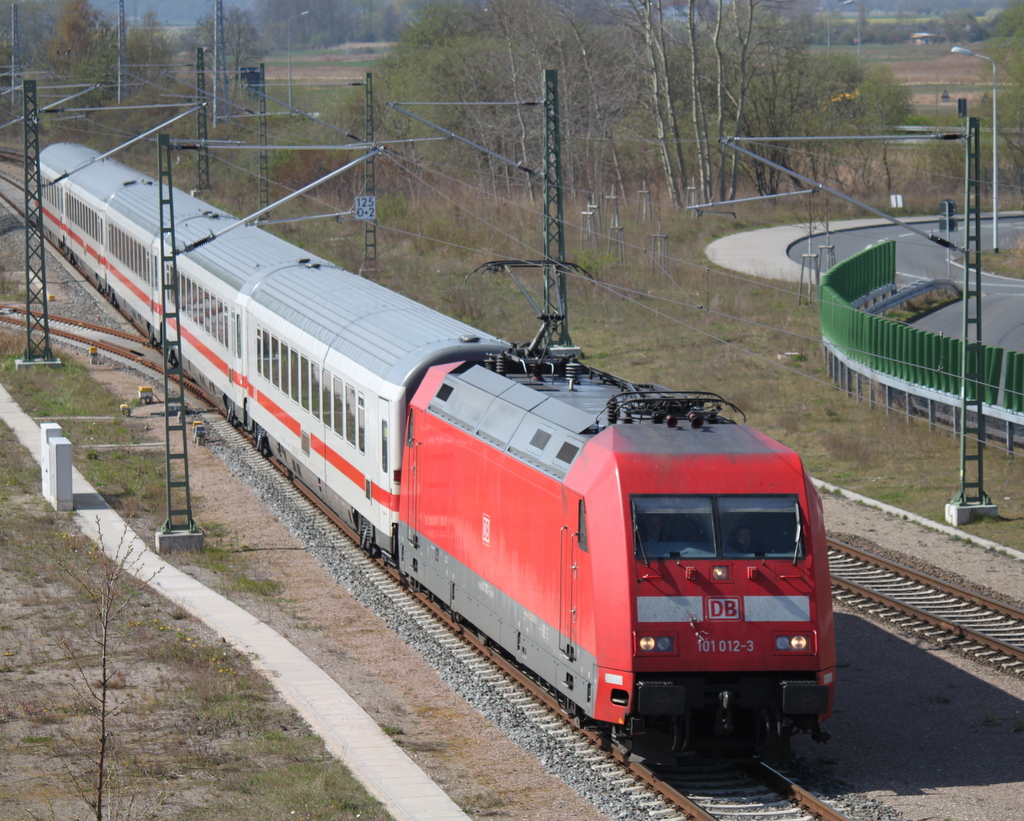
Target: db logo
{"points": [[724, 609]]}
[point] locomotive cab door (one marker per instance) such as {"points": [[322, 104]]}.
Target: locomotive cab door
{"points": [[411, 477], [571, 541]]}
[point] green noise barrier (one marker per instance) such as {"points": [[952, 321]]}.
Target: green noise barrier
{"points": [[899, 350]]}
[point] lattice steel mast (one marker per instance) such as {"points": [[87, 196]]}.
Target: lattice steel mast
{"points": [[554, 225], [203, 154], [369, 185], [179, 494], [971, 497], [37, 318]]}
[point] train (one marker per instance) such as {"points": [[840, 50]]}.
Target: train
{"points": [[660, 567]]}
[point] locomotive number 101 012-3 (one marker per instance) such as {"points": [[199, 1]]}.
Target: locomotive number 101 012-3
{"points": [[724, 646]]}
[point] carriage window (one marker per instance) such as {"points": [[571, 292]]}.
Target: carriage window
{"points": [[293, 385], [304, 382], [275, 361], [339, 407], [384, 446], [325, 387], [362, 424], [314, 389], [350, 414]]}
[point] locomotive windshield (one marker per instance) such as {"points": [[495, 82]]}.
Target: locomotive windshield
{"points": [[707, 527]]}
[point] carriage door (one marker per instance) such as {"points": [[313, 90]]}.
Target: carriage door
{"points": [[570, 542], [386, 515], [236, 372]]}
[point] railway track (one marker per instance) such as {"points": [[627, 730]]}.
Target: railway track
{"points": [[696, 792], [657, 793], [987, 629]]}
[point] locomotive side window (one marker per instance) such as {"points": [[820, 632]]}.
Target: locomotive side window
{"points": [[738, 527], [581, 530]]}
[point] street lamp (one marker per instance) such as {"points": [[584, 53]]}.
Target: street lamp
{"points": [[288, 25], [995, 145], [857, 4]]}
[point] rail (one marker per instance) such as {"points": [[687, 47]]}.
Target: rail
{"points": [[957, 614]]}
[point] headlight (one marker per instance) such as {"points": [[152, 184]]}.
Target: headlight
{"points": [[720, 573], [657, 644], [798, 644]]}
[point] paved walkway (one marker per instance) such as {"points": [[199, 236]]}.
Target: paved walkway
{"points": [[350, 734], [765, 252]]}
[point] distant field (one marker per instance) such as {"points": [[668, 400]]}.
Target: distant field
{"points": [[347, 62], [929, 70]]}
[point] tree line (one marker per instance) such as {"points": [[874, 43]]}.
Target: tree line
{"points": [[649, 90]]}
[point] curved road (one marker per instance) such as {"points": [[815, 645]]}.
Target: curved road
{"points": [[919, 259]]}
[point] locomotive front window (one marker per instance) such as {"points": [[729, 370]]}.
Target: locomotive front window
{"points": [[760, 526], [736, 527], [674, 527]]}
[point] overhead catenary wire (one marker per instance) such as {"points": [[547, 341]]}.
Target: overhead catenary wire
{"points": [[694, 305]]}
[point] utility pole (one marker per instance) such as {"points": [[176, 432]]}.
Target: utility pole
{"points": [[369, 187], [264, 160], [971, 500], [122, 50], [554, 224], [15, 53], [179, 531], [220, 71], [203, 155], [37, 317]]}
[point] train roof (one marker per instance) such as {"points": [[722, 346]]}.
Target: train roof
{"points": [[388, 334], [545, 422]]}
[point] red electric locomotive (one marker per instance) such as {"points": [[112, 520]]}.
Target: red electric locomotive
{"points": [[662, 568]]}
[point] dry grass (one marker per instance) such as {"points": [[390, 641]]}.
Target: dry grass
{"points": [[191, 713], [684, 326]]}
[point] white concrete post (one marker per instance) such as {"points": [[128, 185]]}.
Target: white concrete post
{"points": [[47, 432], [60, 473]]}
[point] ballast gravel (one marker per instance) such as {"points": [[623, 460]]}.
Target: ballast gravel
{"points": [[919, 732]]}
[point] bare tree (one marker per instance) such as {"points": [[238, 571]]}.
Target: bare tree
{"points": [[108, 588], [648, 18]]}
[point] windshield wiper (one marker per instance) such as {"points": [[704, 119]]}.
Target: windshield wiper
{"points": [[799, 534], [636, 535]]}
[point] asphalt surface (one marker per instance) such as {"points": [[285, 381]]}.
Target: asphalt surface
{"points": [[779, 253]]}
